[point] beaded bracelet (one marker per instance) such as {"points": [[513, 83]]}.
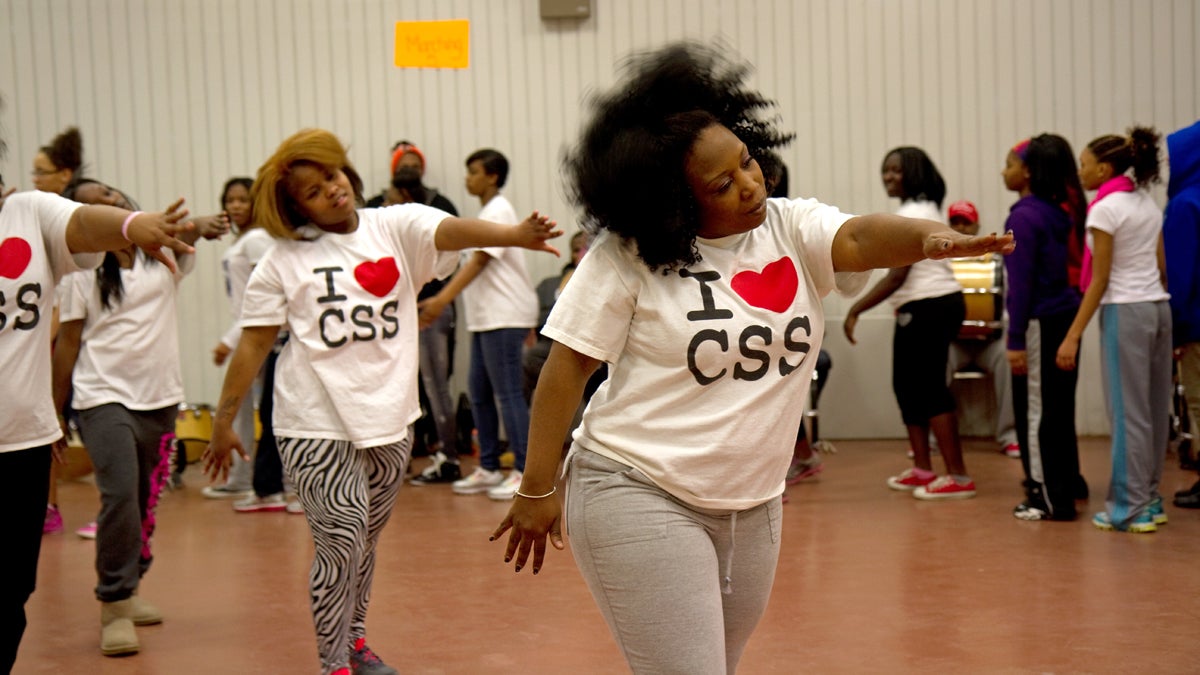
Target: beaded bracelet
{"points": [[522, 494], [125, 225]]}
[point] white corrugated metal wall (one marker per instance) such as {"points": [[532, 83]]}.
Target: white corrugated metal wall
{"points": [[175, 96]]}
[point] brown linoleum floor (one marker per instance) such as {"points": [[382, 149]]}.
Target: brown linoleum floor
{"points": [[869, 581]]}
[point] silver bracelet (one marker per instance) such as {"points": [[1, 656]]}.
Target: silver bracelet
{"points": [[522, 494]]}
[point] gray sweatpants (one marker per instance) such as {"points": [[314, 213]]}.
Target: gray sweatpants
{"points": [[126, 447], [681, 588], [1135, 346]]}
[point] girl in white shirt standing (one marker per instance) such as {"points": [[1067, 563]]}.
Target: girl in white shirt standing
{"points": [[118, 348], [344, 283], [237, 263], [929, 313], [704, 297], [1128, 285]]}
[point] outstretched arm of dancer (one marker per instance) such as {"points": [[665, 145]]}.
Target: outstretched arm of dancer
{"points": [[536, 511], [252, 350], [455, 234], [887, 240], [96, 228]]}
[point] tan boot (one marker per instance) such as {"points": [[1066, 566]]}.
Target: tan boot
{"points": [[117, 635], [144, 613]]}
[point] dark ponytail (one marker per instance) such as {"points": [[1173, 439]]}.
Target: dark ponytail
{"points": [[1139, 151]]}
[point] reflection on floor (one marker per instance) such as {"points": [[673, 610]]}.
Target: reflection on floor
{"points": [[869, 580]]}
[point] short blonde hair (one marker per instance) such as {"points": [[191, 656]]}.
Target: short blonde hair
{"points": [[272, 207]]}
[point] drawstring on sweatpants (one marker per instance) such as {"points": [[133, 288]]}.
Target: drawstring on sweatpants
{"points": [[727, 576]]}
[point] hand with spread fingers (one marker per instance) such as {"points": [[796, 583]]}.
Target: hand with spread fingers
{"points": [[152, 231], [533, 232], [531, 520], [217, 456]]}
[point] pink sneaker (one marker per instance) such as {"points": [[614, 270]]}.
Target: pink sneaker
{"points": [[1012, 450], [53, 523], [945, 487], [909, 480], [87, 531]]}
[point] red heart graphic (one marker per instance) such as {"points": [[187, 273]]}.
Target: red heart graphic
{"points": [[774, 288], [15, 255], [377, 278]]}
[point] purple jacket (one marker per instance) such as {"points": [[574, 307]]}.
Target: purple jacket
{"points": [[1037, 269]]}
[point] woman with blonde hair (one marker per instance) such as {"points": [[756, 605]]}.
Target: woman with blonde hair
{"points": [[343, 281]]}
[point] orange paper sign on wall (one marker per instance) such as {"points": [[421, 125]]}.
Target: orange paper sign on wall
{"points": [[432, 44]]}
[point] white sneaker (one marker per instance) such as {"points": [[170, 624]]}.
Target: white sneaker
{"points": [[254, 504], [508, 489], [481, 480], [225, 491]]}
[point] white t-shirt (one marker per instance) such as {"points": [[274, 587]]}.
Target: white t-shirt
{"points": [[926, 278], [349, 371], [1135, 223], [502, 296], [33, 257], [129, 352], [711, 365], [237, 263]]}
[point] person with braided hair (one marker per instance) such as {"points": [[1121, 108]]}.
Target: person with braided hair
{"points": [[1126, 282]]}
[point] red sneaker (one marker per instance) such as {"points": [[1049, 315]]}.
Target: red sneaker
{"points": [[1012, 450], [946, 487], [909, 480]]}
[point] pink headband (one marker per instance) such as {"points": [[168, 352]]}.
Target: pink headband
{"points": [[400, 152], [1021, 149]]}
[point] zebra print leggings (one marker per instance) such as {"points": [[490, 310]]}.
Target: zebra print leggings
{"points": [[348, 494]]}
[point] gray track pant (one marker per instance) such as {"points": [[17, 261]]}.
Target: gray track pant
{"points": [[681, 588]]}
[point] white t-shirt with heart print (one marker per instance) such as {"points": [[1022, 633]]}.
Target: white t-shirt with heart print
{"points": [[349, 370], [33, 258], [710, 365]]}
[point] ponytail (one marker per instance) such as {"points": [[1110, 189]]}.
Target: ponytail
{"points": [[1138, 151]]}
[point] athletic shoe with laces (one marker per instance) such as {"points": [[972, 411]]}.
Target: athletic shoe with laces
{"points": [[255, 504], [1143, 524], [363, 661], [480, 480], [909, 480], [441, 470], [1027, 511], [508, 489], [1157, 514], [1012, 450], [53, 523], [802, 469], [87, 531], [945, 487], [224, 492]]}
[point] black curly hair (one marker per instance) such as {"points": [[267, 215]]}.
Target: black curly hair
{"points": [[627, 172]]}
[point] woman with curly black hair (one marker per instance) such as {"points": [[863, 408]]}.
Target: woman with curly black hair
{"points": [[704, 297]]}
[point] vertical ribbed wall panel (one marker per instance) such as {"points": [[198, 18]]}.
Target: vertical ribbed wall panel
{"points": [[175, 96]]}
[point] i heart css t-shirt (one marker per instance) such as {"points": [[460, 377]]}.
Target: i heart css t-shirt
{"points": [[349, 370], [710, 365]]}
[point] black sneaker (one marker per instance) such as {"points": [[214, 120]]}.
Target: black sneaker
{"points": [[1190, 492], [442, 470], [363, 661]]}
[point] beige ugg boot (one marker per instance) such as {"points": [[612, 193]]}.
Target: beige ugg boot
{"points": [[144, 613], [117, 635]]}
